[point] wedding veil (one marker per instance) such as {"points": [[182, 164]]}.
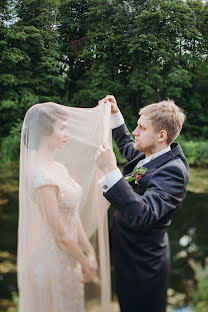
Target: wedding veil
{"points": [[88, 128]]}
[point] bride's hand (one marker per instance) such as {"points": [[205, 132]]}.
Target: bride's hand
{"points": [[112, 100], [93, 261], [89, 268]]}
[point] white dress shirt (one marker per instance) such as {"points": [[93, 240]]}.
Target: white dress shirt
{"points": [[113, 177], [116, 120]]}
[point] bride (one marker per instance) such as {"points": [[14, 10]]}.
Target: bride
{"points": [[55, 255]]}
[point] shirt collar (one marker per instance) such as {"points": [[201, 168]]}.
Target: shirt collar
{"points": [[155, 155]]}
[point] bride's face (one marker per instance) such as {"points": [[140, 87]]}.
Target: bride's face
{"points": [[60, 134]]}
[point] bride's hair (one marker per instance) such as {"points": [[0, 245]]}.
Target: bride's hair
{"points": [[39, 121]]}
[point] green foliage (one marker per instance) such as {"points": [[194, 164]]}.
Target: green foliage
{"points": [[196, 152], [201, 307], [29, 59], [120, 160], [75, 52], [12, 110], [199, 292], [10, 146], [140, 51], [15, 299]]}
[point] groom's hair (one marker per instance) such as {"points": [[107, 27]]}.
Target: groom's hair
{"points": [[165, 115]]}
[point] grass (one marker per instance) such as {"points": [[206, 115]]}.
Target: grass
{"points": [[198, 182]]}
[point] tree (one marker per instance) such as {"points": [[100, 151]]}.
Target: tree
{"points": [[30, 70]]}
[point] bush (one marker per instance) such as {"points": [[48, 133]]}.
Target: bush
{"points": [[120, 159], [199, 291], [201, 307], [10, 146], [196, 152]]}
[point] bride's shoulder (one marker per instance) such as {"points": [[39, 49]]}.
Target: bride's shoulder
{"points": [[48, 174], [60, 166], [40, 177]]}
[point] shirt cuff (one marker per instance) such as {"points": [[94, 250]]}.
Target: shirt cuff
{"points": [[110, 179], [116, 120]]}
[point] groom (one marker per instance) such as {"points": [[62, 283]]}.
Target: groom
{"points": [[145, 204]]}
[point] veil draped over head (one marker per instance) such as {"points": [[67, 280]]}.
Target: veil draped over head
{"points": [[88, 128]]}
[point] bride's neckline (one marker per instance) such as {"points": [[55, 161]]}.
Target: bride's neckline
{"points": [[46, 164]]}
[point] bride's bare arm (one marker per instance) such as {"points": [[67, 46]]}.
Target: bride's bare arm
{"points": [[47, 200], [83, 240], [85, 245]]}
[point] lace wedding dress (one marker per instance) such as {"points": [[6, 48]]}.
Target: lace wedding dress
{"points": [[49, 279], [49, 260]]}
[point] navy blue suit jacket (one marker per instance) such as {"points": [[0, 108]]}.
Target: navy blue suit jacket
{"points": [[143, 213]]}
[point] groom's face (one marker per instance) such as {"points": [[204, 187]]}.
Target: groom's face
{"points": [[146, 139]]}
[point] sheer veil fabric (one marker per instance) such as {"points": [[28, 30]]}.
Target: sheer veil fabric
{"points": [[48, 278]]}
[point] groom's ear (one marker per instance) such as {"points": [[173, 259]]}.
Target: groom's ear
{"points": [[163, 136]]}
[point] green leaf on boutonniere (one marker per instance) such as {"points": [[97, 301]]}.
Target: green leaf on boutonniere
{"points": [[142, 170], [137, 174], [130, 179], [135, 170]]}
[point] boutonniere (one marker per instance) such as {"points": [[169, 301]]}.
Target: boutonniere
{"points": [[137, 174]]}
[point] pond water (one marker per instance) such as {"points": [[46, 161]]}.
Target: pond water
{"points": [[188, 234]]}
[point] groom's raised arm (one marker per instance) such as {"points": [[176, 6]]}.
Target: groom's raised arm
{"points": [[123, 140], [122, 137], [121, 134], [125, 144]]}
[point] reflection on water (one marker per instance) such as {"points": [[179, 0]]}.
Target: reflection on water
{"points": [[188, 232], [188, 237]]}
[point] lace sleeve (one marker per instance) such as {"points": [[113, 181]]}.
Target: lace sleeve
{"points": [[40, 178]]}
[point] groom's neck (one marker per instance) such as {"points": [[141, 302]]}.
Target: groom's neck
{"points": [[155, 149]]}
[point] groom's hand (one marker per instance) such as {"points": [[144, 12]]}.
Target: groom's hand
{"points": [[106, 159], [110, 99]]}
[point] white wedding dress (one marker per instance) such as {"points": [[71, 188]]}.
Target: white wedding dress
{"points": [[49, 279], [50, 261]]}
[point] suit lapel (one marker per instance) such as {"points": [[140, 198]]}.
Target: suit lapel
{"points": [[158, 162], [127, 169]]}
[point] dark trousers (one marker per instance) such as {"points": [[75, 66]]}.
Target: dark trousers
{"points": [[140, 299], [143, 289]]}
